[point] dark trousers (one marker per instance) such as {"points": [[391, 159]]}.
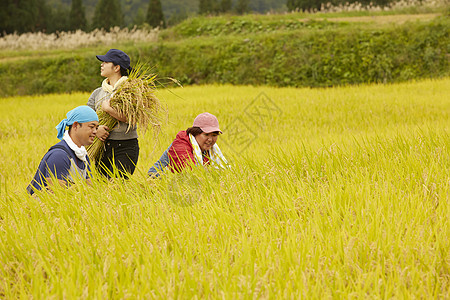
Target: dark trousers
{"points": [[119, 159]]}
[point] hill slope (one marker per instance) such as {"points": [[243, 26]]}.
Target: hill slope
{"points": [[279, 50]]}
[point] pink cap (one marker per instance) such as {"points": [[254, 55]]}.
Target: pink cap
{"points": [[207, 122]]}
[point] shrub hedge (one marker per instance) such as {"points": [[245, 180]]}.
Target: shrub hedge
{"points": [[326, 57]]}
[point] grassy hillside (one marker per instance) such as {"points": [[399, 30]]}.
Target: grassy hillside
{"points": [[281, 50]]}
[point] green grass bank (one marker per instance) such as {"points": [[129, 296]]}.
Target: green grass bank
{"points": [[254, 51]]}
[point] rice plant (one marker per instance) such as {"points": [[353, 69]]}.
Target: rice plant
{"points": [[342, 193]]}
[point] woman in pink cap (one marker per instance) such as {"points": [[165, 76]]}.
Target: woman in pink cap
{"points": [[193, 146]]}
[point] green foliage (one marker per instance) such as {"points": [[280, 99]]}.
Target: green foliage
{"points": [[216, 7], [225, 6], [304, 4], [62, 73], [58, 19], [262, 6], [177, 18], [205, 6], [33, 16], [155, 17], [175, 9], [218, 26], [242, 6], [23, 16], [77, 16], [108, 14], [312, 53], [140, 17]]}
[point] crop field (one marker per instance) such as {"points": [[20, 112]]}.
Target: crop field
{"points": [[332, 193]]}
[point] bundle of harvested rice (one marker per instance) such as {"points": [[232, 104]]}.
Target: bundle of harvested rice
{"points": [[134, 99]]}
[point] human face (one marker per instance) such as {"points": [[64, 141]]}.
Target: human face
{"points": [[84, 133], [206, 140], [108, 69]]}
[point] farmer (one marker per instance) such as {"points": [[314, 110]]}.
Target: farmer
{"points": [[68, 158], [121, 149], [193, 146]]}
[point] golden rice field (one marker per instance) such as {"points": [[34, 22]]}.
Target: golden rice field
{"points": [[333, 193]]}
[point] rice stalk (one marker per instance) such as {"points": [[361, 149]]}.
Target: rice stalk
{"points": [[135, 99]]}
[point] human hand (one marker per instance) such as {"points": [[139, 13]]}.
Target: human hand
{"points": [[106, 105], [102, 132]]}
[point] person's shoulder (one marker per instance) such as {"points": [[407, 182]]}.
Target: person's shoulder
{"points": [[60, 150], [62, 145], [182, 135], [181, 142], [58, 158], [96, 92]]}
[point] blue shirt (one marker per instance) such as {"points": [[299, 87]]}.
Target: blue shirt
{"points": [[58, 162], [161, 164]]}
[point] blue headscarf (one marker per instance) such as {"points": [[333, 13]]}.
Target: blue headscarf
{"points": [[81, 114]]}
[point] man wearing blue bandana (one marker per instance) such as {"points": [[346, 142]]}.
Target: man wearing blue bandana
{"points": [[68, 158]]}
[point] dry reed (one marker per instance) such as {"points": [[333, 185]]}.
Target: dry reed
{"points": [[76, 39]]}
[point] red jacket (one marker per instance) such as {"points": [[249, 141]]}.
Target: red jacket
{"points": [[181, 154]]}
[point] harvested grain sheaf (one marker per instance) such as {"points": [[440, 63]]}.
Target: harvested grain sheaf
{"points": [[135, 99]]}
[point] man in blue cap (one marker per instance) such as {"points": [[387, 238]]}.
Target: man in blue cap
{"points": [[121, 144], [68, 158]]}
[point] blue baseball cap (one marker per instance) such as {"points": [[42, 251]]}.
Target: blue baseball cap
{"points": [[117, 57]]}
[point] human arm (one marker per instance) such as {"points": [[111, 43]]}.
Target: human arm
{"points": [[88, 172], [52, 182], [160, 165], [57, 168], [92, 103], [106, 106], [181, 155], [64, 170], [103, 130]]}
